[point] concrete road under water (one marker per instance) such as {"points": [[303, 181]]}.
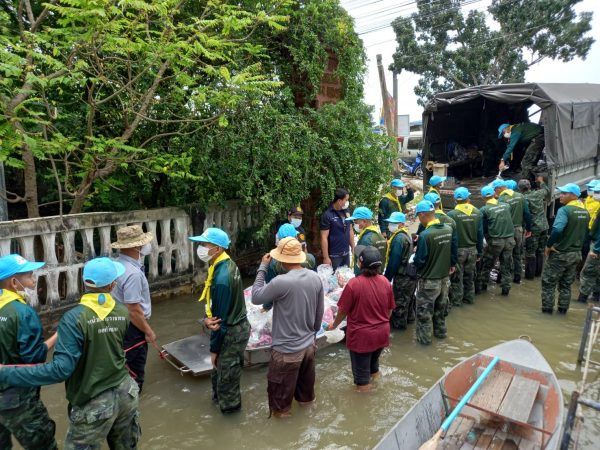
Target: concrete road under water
{"points": [[177, 412]]}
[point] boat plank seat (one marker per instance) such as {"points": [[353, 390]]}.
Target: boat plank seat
{"points": [[519, 399], [492, 391], [457, 433]]}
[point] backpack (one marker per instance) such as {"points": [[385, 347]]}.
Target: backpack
{"points": [[411, 269]]}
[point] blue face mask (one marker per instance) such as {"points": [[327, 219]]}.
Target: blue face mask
{"points": [[296, 222]]}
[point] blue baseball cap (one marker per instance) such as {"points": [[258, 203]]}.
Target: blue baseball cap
{"points": [[396, 217], [511, 184], [570, 188], [214, 236], [424, 206], [596, 188], [100, 272], [487, 191], [397, 182], [461, 193], [362, 212], [287, 230], [432, 197], [498, 184], [501, 129], [592, 183], [13, 264], [436, 179]]}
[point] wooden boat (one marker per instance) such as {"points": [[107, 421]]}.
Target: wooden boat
{"points": [[518, 406], [192, 354]]}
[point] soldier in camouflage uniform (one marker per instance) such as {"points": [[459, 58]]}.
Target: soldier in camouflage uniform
{"points": [[89, 357], [22, 413], [397, 270], [394, 201], [535, 244], [469, 226], [499, 232], [526, 134], [590, 275], [563, 249], [368, 234], [225, 317], [435, 260]]}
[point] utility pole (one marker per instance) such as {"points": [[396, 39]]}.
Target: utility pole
{"points": [[3, 203], [387, 114], [395, 93]]}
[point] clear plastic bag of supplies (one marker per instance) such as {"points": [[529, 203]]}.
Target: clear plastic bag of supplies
{"points": [[325, 272], [343, 275], [260, 322]]}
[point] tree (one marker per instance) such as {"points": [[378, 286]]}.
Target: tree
{"points": [[452, 51], [97, 87]]}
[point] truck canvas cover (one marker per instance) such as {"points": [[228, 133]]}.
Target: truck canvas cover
{"points": [[570, 114]]}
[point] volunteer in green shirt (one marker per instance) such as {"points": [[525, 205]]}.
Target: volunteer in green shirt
{"points": [[521, 217], [435, 260], [394, 201], [225, 317], [563, 249], [499, 234], [397, 270], [525, 134], [537, 200], [590, 274], [89, 357], [368, 234], [22, 413], [435, 183], [469, 229]]}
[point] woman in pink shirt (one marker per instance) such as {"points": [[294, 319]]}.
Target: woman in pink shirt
{"points": [[367, 301]]}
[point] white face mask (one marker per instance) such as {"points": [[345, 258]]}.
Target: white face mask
{"points": [[277, 240], [346, 205], [26, 293], [399, 192], [203, 253], [507, 135], [296, 222], [596, 195], [356, 228], [393, 227], [146, 249]]}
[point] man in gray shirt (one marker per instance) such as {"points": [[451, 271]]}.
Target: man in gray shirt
{"points": [[133, 291], [297, 298]]}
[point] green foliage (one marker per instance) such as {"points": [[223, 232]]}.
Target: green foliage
{"points": [[451, 51]]}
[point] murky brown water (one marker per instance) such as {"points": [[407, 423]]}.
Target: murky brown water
{"points": [[177, 412]]}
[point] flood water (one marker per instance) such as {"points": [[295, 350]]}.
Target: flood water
{"points": [[177, 412]]}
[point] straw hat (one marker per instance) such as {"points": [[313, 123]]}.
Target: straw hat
{"points": [[131, 236], [289, 250]]}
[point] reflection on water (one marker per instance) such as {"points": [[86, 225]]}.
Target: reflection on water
{"points": [[177, 412]]}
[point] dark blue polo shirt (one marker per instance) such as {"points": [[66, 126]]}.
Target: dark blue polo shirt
{"points": [[339, 230]]}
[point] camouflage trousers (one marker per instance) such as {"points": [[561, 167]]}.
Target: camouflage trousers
{"points": [[23, 415], [404, 293], [462, 287], [535, 244], [517, 253], [112, 416], [590, 276], [228, 373], [561, 270], [498, 248], [531, 157], [432, 298]]}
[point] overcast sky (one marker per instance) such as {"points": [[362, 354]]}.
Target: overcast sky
{"points": [[372, 19]]}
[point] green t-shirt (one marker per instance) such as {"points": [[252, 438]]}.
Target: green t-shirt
{"points": [[497, 220], [434, 252], [570, 228], [375, 239], [469, 226]]}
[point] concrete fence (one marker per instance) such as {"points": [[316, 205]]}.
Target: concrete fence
{"points": [[66, 243]]}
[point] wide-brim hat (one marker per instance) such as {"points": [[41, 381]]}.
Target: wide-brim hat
{"points": [[132, 236], [289, 250]]}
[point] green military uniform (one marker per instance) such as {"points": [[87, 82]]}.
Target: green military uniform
{"points": [[469, 228], [230, 341], [535, 244], [590, 274], [391, 203], [519, 210], [436, 253], [371, 236], [499, 233], [567, 237], [89, 357], [529, 134], [398, 254], [22, 413]]}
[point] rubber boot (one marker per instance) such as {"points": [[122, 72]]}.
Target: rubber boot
{"points": [[530, 268], [539, 264], [583, 298]]}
